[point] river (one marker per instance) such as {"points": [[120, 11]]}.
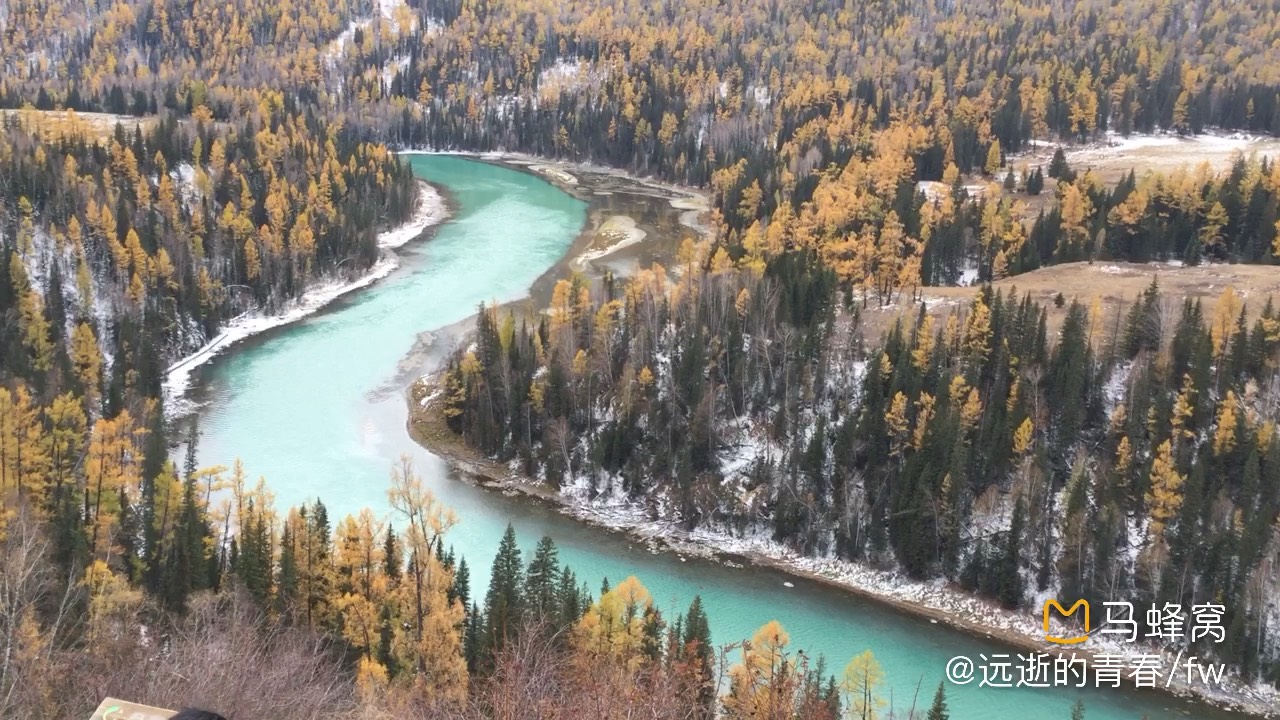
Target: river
{"points": [[318, 408]]}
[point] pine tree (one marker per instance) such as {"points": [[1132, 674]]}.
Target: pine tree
{"points": [[696, 643], [542, 581], [1058, 167], [461, 588], [392, 557], [287, 576], [1010, 574], [473, 638], [1035, 182], [938, 711], [503, 603], [571, 600], [651, 644]]}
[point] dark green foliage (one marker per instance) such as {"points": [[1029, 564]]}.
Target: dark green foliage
{"points": [[504, 602], [938, 711], [542, 579], [1035, 182], [1058, 167]]}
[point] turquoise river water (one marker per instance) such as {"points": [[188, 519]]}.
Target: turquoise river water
{"points": [[318, 408]]}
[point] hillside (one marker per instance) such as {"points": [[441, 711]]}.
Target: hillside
{"points": [[1018, 446], [171, 170]]}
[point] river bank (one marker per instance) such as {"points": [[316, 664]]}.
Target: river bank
{"points": [[432, 209], [632, 222]]}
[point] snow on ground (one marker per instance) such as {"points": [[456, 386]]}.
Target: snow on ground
{"points": [[566, 74], [40, 259], [398, 64], [1113, 391], [431, 210], [387, 10], [184, 177], [570, 75], [932, 189], [934, 598]]}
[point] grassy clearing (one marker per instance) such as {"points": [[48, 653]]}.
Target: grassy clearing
{"points": [[53, 124], [1114, 158], [1115, 284]]}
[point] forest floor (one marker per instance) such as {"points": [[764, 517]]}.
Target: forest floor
{"points": [[1116, 284]]}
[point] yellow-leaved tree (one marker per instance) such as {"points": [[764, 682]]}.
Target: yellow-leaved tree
{"points": [[763, 685], [861, 682], [428, 637], [615, 626], [1164, 498]]}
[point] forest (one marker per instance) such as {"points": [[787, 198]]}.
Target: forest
{"points": [[1006, 446], [1130, 456], [370, 621]]}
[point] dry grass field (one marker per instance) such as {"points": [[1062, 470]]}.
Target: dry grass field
{"points": [[1114, 157], [1115, 284], [59, 123]]}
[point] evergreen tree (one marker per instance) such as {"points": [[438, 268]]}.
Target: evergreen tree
{"points": [[392, 557], [461, 588], [1035, 182], [287, 577], [938, 711], [504, 602], [1058, 167], [571, 600], [696, 643], [1009, 591], [542, 581], [473, 638]]}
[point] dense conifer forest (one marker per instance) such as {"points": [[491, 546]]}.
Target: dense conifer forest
{"points": [[1126, 457]]}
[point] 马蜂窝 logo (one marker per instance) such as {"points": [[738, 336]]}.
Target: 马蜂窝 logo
{"points": [[1066, 613]]}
